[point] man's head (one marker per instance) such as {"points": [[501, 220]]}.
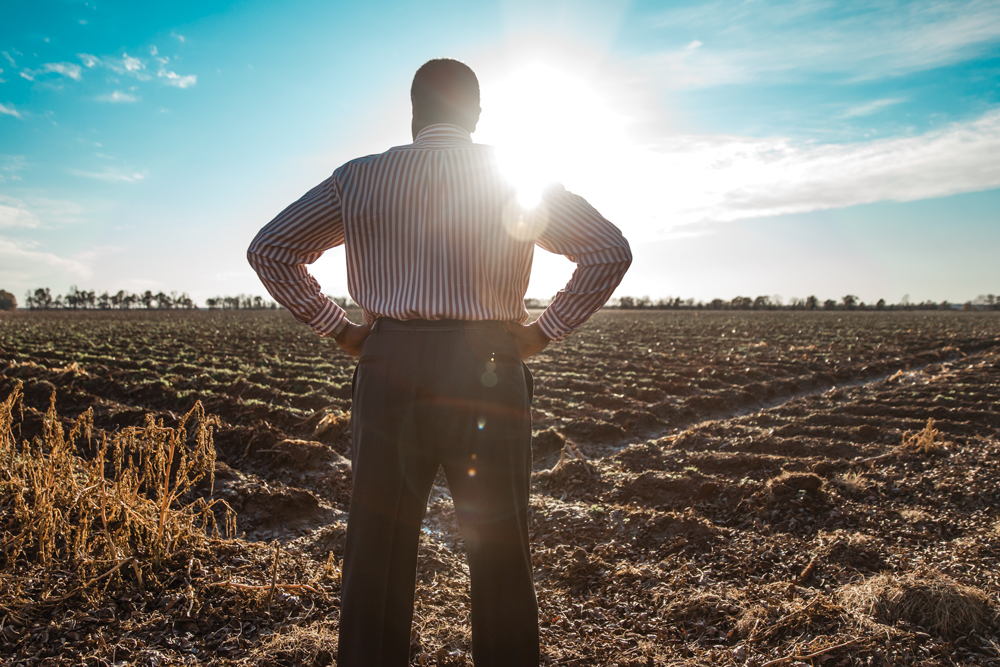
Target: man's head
{"points": [[445, 91]]}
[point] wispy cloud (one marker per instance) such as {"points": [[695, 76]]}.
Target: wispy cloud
{"points": [[118, 96], [110, 175], [180, 38], [136, 67], [857, 39], [9, 58], [10, 165], [33, 212], [21, 258], [14, 216], [126, 65], [870, 108], [174, 79], [691, 179], [71, 70], [9, 110]]}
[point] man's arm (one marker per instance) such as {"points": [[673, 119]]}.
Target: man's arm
{"points": [[570, 226], [296, 237]]}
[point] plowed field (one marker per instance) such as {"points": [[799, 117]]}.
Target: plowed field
{"points": [[709, 488]]}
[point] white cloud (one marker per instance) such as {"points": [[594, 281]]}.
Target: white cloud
{"points": [[126, 65], [35, 212], [180, 38], [9, 58], [870, 108], [9, 111], [693, 179], [857, 39], [22, 262], [174, 79], [136, 67], [110, 175], [71, 70], [118, 96], [13, 216], [10, 165]]}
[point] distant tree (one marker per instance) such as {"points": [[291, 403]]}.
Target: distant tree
{"points": [[741, 303], [880, 305], [812, 303], [163, 301], [73, 299], [43, 298], [850, 301], [530, 302], [104, 301], [761, 303], [829, 304], [213, 302], [626, 302], [147, 299], [7, 300], [716, 304]]}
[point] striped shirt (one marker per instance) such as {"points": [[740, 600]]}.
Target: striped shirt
{"points": [[434, 231]]}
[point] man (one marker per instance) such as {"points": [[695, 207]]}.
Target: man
{"points": [[438, 257]]}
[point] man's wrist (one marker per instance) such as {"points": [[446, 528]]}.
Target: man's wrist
{"points": [[340, 329]]}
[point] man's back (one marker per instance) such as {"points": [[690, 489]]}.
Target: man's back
{"points": [[433, 230]]}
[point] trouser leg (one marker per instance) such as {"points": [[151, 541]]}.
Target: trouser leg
{"points": [[392, 480], [489, 473]]}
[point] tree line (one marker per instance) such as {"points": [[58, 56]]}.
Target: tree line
{"points": [[847, 302], [77, 299]]}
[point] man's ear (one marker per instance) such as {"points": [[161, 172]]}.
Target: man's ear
{"points": [[474, 119]]}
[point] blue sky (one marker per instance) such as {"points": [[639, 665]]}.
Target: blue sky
{"points": [[745, 147]]}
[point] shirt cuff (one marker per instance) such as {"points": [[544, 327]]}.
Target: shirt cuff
{"points": [[552, 326], [330, 320]]}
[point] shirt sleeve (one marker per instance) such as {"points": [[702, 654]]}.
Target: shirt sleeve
{"points": [[296, 237], [570, 226]]}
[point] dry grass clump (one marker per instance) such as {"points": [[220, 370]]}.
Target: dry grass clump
{"points": [[314, 644], [852, 483], [927, 441], [777, 615], [73, 520], [929, 600]]}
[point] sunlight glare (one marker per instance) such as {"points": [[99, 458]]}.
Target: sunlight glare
{"points": [[548, 125]]}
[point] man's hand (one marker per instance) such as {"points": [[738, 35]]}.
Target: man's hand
{"points": [[529, 339], [352, 338]]}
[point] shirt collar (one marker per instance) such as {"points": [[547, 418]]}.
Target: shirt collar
{"points": [[442, 135]]}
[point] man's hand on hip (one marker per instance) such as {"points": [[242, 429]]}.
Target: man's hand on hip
{"points": [[352, 338], [529, 338]]}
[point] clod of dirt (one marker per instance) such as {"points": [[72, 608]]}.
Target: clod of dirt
{"points": [[547, 442], [788, 484], [930, 600], [331, 428], [274, 506], [593, 430], [299, 455], [567, 474]]}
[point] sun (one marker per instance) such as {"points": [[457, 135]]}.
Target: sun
{"points": [[548, 125]]}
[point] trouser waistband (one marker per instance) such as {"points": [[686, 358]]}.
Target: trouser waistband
{"points": [[390, 324]]}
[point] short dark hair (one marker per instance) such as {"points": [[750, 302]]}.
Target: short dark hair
{"points": [[444, 89]]}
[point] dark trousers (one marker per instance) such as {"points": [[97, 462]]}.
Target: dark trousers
{"points": [[428, 394]]}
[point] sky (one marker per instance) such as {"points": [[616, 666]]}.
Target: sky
{"points": [[744, 147]]}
